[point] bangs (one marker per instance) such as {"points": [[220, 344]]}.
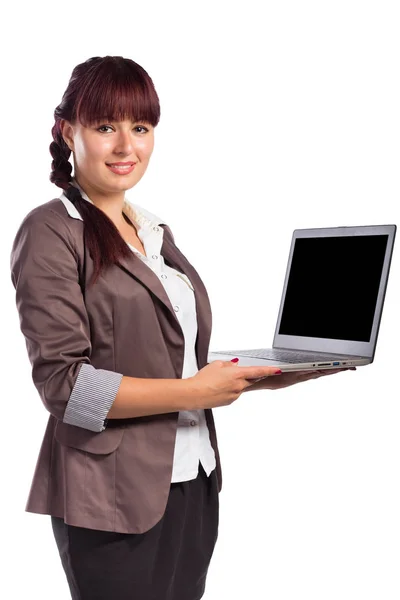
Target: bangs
{"points": [[117, 89]]}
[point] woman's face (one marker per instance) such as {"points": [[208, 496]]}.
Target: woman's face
{"points": [[97, 146]]}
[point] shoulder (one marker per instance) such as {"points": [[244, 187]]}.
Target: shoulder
{"points": [[53, 211], [52, 215], [46, 228]]}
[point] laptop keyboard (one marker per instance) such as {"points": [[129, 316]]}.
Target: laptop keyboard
{"points": [[283, 355]]}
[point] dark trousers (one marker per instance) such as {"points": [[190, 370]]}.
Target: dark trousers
{"points": [[168, 562]]}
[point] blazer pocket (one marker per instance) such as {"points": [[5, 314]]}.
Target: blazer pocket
{"points": [[103, 442]]}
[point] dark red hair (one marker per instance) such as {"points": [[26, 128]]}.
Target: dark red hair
{"points": [[112, 88]]}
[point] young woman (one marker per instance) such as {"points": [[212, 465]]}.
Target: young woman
{"points": [[117, 325]]}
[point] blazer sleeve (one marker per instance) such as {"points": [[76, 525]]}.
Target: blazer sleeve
{"points": [[55, 323]]}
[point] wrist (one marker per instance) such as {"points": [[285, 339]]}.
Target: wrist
{"points": [[192, 393]]}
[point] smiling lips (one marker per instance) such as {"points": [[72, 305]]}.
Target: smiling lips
{"points": [[121, 164], [121, 168]]}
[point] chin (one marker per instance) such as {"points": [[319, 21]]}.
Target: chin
{"points": [[124, 183]]}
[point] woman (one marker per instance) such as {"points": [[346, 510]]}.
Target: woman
{"points": [[117, 324]]}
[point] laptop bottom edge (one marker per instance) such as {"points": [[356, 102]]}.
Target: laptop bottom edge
{"points": [[248, 361]]}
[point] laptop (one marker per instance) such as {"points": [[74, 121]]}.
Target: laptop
{"points": [[331, 303]]}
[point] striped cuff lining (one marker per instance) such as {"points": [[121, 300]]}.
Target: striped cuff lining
{"points": [[91, 398]]}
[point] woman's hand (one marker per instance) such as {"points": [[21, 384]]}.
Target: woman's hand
{"points": [[221, 382], [287, 379]]}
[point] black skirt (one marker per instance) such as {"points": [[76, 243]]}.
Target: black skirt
{"points": [[168, 562]]}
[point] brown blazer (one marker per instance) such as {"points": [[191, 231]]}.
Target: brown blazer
{"points": [[117, 479]]}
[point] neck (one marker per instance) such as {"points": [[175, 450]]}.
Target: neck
{"points": [[112, 206]]}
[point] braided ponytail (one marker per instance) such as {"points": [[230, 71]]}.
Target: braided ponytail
{"points": [[61, 168], [114, 87]]}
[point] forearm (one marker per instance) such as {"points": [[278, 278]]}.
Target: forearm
{"points": [[137, 397]]}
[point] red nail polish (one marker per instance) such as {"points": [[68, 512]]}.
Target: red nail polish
{"points": [[235, 360], [278, 372]]}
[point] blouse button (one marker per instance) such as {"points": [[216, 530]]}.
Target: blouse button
{"points": [[163, 276], [154, 256], [156, 229], [176, 308]]}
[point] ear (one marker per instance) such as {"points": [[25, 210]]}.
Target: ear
{"points": [[67, 133]]}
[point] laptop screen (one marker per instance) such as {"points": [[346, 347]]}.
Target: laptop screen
{"points": [[333, 287]]}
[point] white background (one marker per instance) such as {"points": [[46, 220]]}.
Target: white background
{"points": [[275, 116]]}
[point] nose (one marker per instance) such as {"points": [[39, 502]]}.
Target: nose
{"points": [[124, 143]]}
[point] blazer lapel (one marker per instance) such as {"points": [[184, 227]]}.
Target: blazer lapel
{"points": [[137, 269]]}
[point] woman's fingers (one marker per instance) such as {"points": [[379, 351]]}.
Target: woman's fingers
{"points": [[252, 372], [258, 372]]}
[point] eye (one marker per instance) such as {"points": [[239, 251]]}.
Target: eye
{"points": [[104, 126], [142, 127]]}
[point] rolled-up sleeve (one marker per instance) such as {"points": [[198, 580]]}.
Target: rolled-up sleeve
{"points": [[55, 323]]}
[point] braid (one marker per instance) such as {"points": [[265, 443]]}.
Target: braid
{"points": [[61, 168]]}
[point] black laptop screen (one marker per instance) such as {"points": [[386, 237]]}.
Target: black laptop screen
{"points": [[333, 287]]}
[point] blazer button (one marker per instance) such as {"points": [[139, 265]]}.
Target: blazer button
{"points": [[192, 423]]}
